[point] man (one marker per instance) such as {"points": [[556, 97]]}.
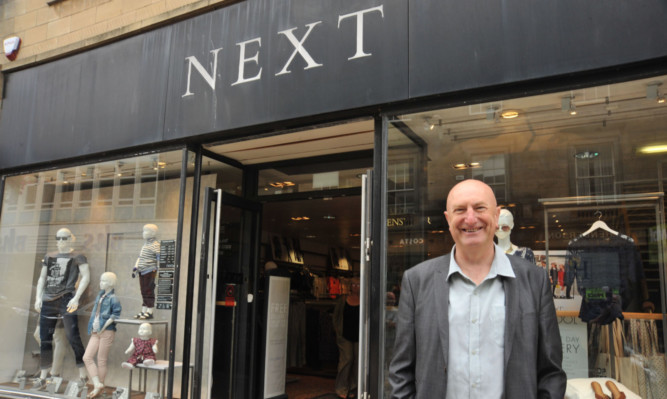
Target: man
{"points": [[476, 323]]}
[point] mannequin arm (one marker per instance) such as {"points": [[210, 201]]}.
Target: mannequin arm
{"points": [[84, 271], [107, 324], [115, 314], [130, 348], [155, 347], [134, 270], [40, 289]]}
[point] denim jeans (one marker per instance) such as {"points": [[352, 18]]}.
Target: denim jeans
{"points": [[51, 312]]}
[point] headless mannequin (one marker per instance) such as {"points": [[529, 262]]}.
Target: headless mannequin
{"points": [[64, 241], [146, 267], [106, 308], [143, 348]]}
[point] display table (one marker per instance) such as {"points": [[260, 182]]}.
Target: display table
{"points": [[161, 366]]}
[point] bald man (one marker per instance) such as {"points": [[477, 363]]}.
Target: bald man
{"points": [[476, 323]]}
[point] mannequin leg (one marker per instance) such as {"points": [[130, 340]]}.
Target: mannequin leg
{"points": [[70, 321], [106, 339], [98, 386], [46, 330], [89, 355], [59, 350]]}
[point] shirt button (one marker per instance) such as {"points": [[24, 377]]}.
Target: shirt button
{"points": [[473, 321], [474, 352]]}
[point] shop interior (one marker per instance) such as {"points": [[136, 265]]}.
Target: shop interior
{"points": [[309, 188]]}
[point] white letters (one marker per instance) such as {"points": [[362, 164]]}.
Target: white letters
{"points": [[210, 79], [298, 47], [298, 44], [360, 29], [243, 60]]}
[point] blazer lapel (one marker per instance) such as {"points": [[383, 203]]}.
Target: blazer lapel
{"points": [[442, 304], [511, 312]]}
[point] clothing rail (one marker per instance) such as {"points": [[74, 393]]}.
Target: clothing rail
{"points": [[641, 316]]}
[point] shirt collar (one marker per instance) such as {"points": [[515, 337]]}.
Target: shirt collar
{"points": [[500, 266]]}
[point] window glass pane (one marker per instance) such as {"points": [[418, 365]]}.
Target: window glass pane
{"points": [[61, 233], [557, 174]]}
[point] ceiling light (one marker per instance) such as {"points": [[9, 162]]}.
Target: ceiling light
{"points": [[509, 114], [653, 149], [281, 184], [329, 217], [465, 165], [299, 218]]}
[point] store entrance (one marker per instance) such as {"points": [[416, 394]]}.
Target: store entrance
{"points": [[298, 216]]}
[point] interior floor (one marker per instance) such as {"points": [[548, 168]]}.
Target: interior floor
{"points": [[300, 386]]}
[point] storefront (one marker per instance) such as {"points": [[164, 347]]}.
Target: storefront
{"points": [[251, 161]]}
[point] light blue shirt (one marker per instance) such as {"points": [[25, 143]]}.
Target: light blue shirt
{"points": [[477, 331]]}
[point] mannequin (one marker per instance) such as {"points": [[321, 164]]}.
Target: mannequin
{"points": [[58, 299], [143, 348], [146, 268], [505, 226], [102, 330]]}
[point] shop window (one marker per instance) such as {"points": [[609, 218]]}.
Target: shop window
{"points": [[586, 193], [61, 231]]}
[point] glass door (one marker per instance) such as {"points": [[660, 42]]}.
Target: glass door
{"points": [[365, 281], [224, 349]]}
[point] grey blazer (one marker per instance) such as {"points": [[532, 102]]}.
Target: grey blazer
{"points": [[533, 351]]}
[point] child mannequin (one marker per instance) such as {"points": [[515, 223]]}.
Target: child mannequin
{"points": [[146, 267], [143, 348], [102, 330]]}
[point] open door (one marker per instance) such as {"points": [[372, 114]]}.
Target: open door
{"points": [[363, 378], [224, 344]]}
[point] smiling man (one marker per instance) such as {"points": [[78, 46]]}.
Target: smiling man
{"points": [[476, 323]]}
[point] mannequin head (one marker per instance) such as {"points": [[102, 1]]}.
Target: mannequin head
{"points": [[64, 240], [150, 231], [145, 331], [108, 281], [505, 224]]}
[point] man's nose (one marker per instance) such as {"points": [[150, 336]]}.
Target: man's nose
{"points": [[470, 215]]}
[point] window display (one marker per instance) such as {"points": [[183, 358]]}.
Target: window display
{"points": [[80, 277], [582, 196]]}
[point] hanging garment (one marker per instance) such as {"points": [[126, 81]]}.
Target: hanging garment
{"points": [[608, 273]]}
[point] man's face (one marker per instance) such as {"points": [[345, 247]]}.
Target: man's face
{"points": [[472, 214]]}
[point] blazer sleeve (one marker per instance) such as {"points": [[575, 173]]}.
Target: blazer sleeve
{"points": [[551, 379], [402, 367]]}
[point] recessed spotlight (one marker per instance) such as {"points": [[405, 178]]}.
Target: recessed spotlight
{"points": [[509, 114]]}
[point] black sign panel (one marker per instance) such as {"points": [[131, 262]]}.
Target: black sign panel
{"points": [[167, 254], [457, 45], [261, 61]]}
